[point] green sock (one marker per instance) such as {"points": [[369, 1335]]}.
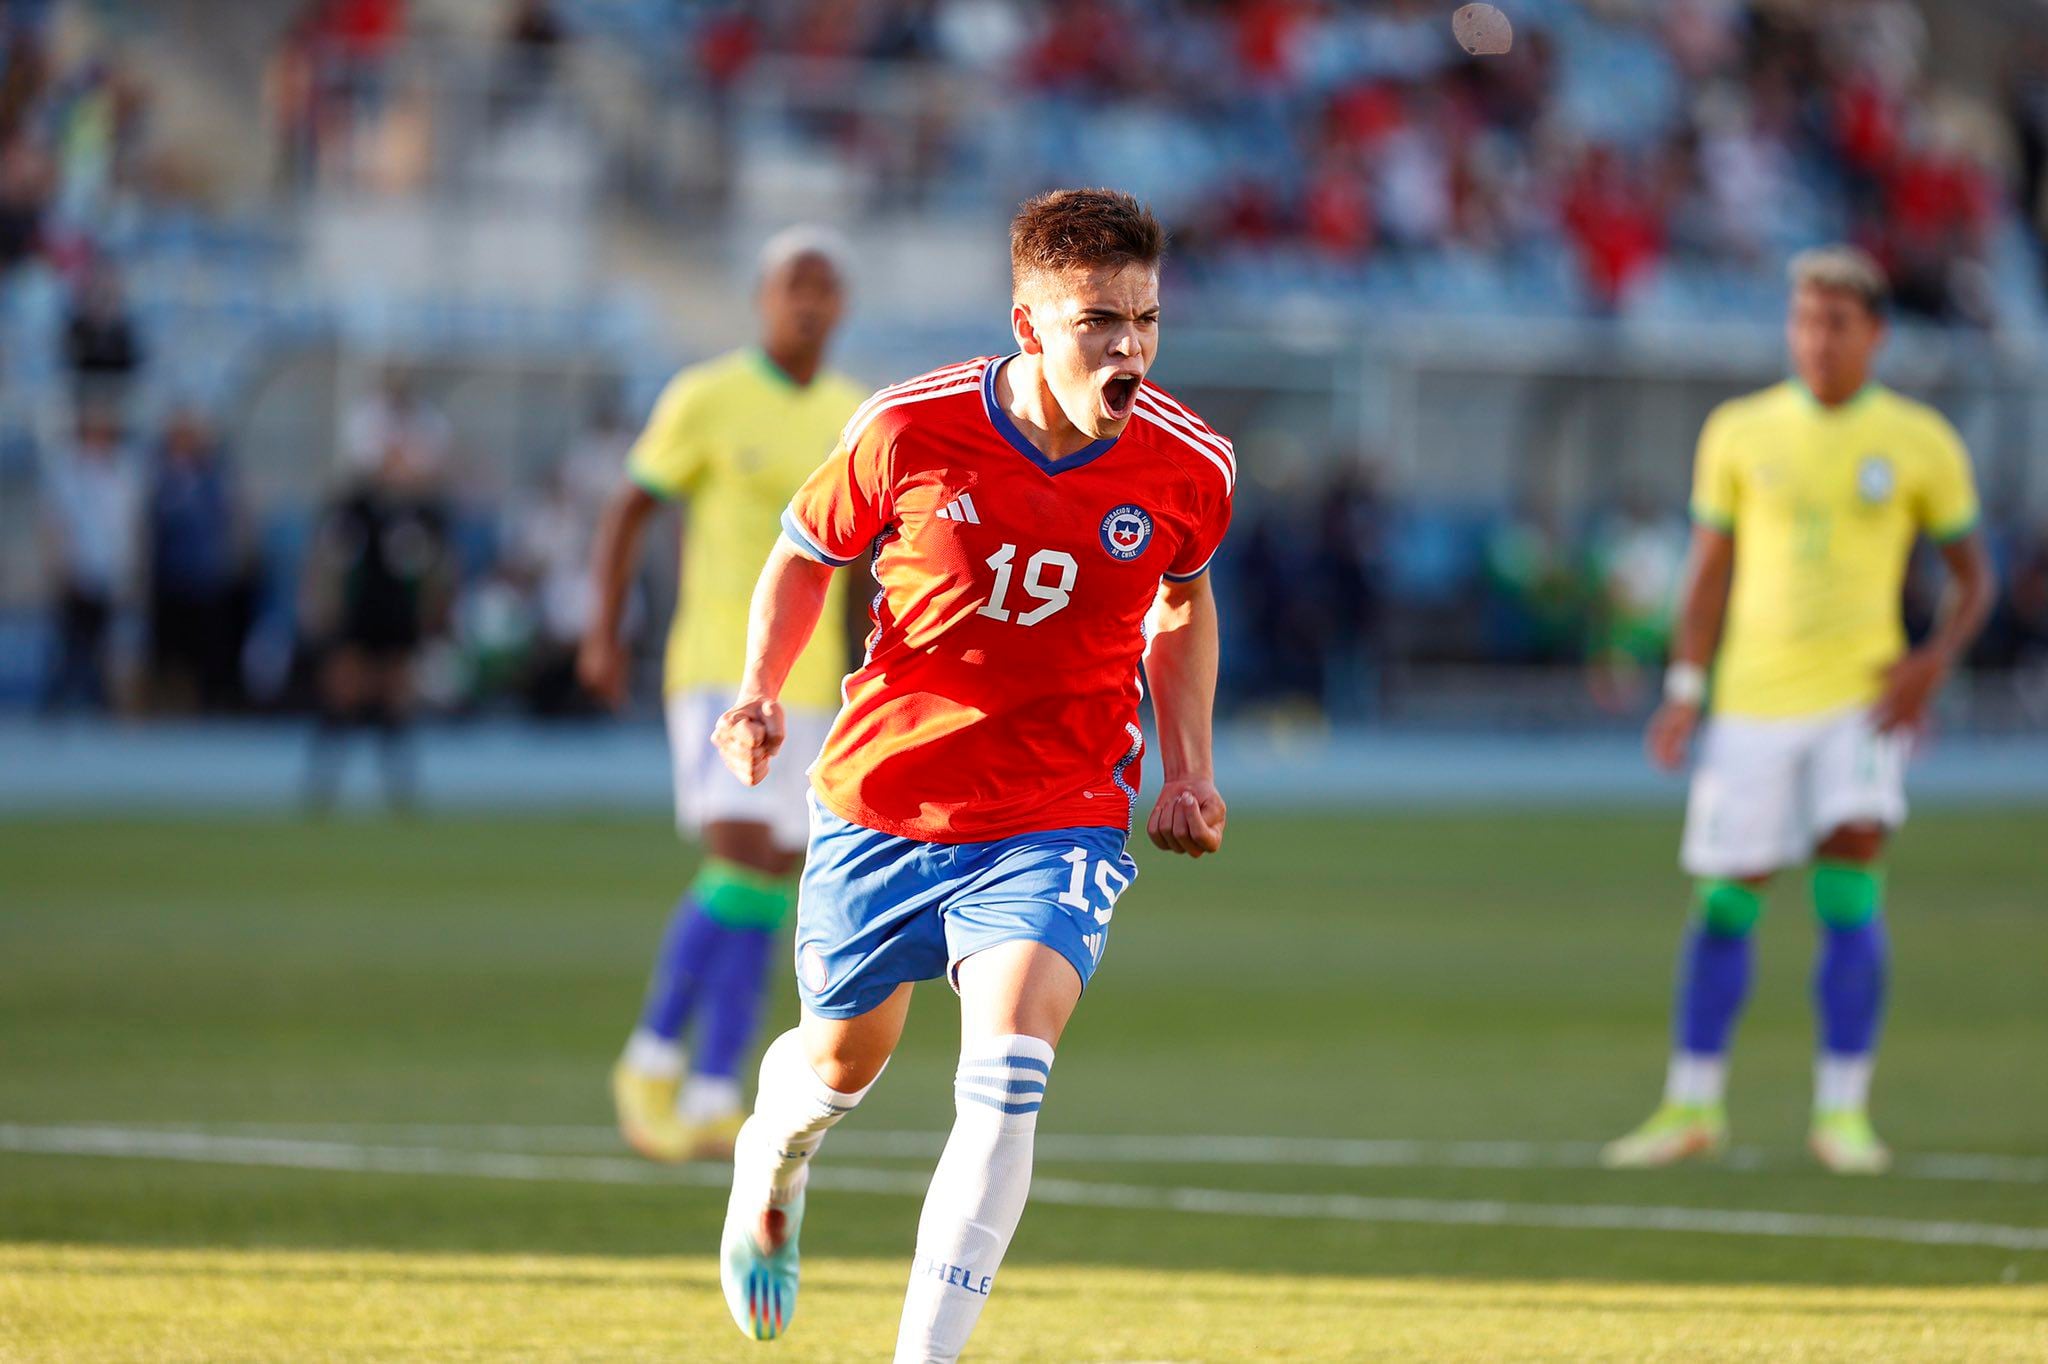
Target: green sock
{"points": [[740, 897]]}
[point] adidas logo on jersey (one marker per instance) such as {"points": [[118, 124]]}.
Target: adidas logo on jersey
{"points": [[961, 508]]}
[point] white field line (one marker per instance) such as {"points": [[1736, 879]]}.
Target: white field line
{"points": [[1077, 1148], [291, 1153]]}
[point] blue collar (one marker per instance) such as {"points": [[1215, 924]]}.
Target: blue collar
{"points": [[1007, 429]]}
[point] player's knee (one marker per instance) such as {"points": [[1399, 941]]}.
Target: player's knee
{"points": [[1727, 909], [747, 844], [1854, 843], [1847, 894], [848, 1064], [735, 896]]}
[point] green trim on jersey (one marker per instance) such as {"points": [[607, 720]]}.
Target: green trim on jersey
{"points": [[1961, 532], [1723, 524], [765, 362], [1870, 389], [653, 489]]}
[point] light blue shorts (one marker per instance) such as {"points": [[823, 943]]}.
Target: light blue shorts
{"points": [[876, 910]]}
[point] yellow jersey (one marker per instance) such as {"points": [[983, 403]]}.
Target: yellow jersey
{"points": [[736, 437], [1824, 505]]}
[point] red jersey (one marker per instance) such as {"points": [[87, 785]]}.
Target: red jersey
{"points": [[1000, 692]]}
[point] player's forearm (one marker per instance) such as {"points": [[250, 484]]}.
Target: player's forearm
{"points": [[1710, 569], [614, 553], [1967, 605], [788, 600], [1181, 665]]}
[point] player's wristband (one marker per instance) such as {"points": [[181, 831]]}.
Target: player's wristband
{"points": [[1685, 684]]}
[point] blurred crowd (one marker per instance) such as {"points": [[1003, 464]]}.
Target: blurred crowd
{"points": [[342, 105], [172, 594], [1617, 136], [398, 592], [70, 135], [1344, 601]]}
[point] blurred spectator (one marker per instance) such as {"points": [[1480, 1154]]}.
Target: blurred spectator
{"points": [[2027, 109], [1283, 650], [395, 416], [329, 80], [1615, 223], [1347, 580], [96, 115], [195, 566], [358, 37], [533, 40], [1638, 558], [1538, 588], [91, 524], [380, 583], [529, 55], [2026, 627], [100, 343], [552, 549], [23, 195]]}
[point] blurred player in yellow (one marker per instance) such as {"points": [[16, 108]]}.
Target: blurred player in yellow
{"points": [[732, 438], [1807, 501]]}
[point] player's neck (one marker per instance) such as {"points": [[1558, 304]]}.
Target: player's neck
{"points": [[1834, 399], [1022, 393], [797, 367]]}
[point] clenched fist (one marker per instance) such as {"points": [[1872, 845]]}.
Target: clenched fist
{"points": [[748, 735]]}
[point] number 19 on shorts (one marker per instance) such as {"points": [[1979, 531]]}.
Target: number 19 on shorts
{"points": [[1109, 883]]}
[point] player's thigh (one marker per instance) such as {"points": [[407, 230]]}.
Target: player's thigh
{"points": [[1744, 815], [867, 916], [1057, 890], [1858, 777], [1017, 987]]}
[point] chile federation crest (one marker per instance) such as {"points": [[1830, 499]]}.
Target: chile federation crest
{"points": [[1126, 531]]}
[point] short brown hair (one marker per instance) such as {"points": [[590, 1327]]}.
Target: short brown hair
{"points": [[1066, 229], [1846, 270]]}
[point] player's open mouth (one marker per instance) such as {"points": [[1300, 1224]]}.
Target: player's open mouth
{"points": [[1120, 395]]}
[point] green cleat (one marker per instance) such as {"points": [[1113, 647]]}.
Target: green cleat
{"points": [[1844, 1141], [1674, 1132]]}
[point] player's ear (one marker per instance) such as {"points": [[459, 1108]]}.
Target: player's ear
{"points": [[1021, 328]]}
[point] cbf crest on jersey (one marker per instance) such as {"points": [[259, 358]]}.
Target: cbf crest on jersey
{"points": [[1126, 531], [1875, 479]]}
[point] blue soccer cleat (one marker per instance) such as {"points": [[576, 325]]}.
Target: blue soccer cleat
{"points": [[760, 1285]]}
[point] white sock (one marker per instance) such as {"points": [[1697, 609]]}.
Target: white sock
{"points": [[707, 1098], [650, 1054], [976, 1197], [1695, 1079], [793, 1110], [1841, 1081]]}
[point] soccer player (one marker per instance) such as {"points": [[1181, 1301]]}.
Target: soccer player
{"points": [[1034, 520], [733, 437], [1807, 499]]}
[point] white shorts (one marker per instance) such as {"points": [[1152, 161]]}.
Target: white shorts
{"points": [[707, 793], [1765, 792]]}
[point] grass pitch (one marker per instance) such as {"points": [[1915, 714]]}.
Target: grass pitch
{"points": [[272, 1090], [215, 1307]]}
